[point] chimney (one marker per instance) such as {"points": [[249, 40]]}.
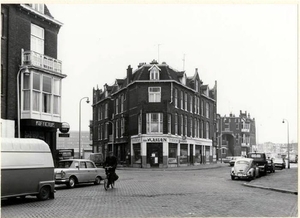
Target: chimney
{"points": [[129, 74]]}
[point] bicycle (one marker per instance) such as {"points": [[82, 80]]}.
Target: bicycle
{"points": [[108, 181]]}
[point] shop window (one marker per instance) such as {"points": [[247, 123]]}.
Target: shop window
{"points": [[172, 159], [137, 154], [183, 154], [198, 154]]}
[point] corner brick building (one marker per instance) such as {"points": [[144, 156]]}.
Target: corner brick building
{"points": [[156, 117], [29, 64]]}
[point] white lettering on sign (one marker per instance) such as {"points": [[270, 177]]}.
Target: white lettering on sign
{"points": [[44, 124], [156, 140]]}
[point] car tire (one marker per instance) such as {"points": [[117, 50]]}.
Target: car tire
{"points": [[72, 182], [97, 180], [232, 177], [44, 193]]}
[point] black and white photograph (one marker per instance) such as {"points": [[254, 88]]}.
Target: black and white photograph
{"points": [[149, 108]]}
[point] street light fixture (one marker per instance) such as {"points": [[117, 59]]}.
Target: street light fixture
{"points": [[26, 72], [113, 134], [288, 145], [87, 101]]}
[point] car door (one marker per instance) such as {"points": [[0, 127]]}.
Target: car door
{"points": [[82, 172], [92, 171]]}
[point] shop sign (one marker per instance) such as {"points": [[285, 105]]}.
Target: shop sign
{"points": [[44, 124], [156, 139]]}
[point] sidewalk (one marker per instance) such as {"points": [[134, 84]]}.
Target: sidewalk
{"points": [[285, 180]]}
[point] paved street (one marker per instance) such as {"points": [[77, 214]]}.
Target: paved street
{"points": [[148, 193]]}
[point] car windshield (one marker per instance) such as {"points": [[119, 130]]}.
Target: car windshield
{"points": [[64, 164], [242, 162]]}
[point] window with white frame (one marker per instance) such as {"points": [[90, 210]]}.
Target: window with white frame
{"points": [[207, 110], [198, 105], [99, 132], [140, 123], [202, 129], [207, 130], [154, 94], [197, 85], [117, 105], [36, 91], [154, 74], [37, 39], [195, 128], [26, 92], [181, 99], [176, 123], [198, 128], [191, 126], [106, 111], [105, 131], [122, 126], [122, 103], [181, 124], [56, 96], [191, 103], [154, 123], [46, 100], [176, 98], [117, 128], [169, 123], [195, 104], [99, 112], [185, 101], [185, 125], [38, 7], [202, 111]]}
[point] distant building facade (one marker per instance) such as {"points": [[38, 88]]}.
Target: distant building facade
{"points": [[236, 135], [29, 64], [155, 117]]}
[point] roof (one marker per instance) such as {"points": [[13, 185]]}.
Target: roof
{"points": [[24, 145]]}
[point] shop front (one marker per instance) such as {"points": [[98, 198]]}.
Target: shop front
{"points": [[169, 151]]}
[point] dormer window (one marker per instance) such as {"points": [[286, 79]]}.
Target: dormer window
{"points": [[154, 73], [197, 86], [38, 7]]}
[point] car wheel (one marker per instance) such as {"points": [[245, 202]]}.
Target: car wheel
{"points": [[44, 193], [97, 180], [232, 177], [72, 182]]}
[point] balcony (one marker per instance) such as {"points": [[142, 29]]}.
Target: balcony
{"points": [[42, 61]]}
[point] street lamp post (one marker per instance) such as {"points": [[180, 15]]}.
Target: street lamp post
{"points": [[288, 145], [18, 96], [113, 134], [87, 101]]}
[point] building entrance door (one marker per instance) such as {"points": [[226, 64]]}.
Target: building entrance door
{"points": [[154, 154]]}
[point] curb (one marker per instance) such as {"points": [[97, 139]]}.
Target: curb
{"points": [[272, 189], [169, 169]]}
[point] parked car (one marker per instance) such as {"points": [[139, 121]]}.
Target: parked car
{"points": [[270, 166], [279, 163], [74, 171], [233, 159], [261, 160], [226, 159], [244, 168]]}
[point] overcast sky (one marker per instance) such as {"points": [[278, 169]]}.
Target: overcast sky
{"points": [[249, 49]]}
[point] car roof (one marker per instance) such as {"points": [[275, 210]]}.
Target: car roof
{"points": [[247, 159]]}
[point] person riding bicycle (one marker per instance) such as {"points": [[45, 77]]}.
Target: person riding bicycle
{"points": [[110, 161]]}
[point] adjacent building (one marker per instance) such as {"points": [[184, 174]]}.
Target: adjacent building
{"points": [[156, 117], [31, 75], [236, 135]]}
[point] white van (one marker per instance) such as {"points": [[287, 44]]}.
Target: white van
{"points": [[27, 168]]}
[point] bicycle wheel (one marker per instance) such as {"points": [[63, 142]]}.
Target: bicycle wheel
{"points": [[105, 184]]}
